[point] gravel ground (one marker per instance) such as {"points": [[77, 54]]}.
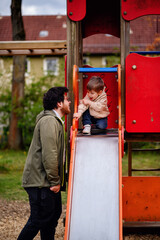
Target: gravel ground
{"points": [[142, 237], [14, 214]]}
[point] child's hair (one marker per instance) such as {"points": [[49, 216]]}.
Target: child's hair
{"points": [[95, 83]]}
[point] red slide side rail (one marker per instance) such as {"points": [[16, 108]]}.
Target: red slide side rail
{"points": [[72, 159], [120, 153]]}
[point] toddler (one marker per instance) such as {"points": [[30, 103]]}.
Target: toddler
{"points": [[93, 107]]}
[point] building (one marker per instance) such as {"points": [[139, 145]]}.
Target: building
{"points": [[99, 50]]}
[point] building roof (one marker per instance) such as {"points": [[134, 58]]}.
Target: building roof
{"points": [[142, 33]]}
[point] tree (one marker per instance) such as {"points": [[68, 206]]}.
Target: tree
{"points": [[155, 46], [18, 80]]}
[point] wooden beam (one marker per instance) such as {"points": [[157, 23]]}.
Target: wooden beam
{"points": [[33, 52], [142, 137], [24, 45]]}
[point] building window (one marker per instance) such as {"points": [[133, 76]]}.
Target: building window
{"points": [[27, 67], [104, 62], [64, 25], [51, 66], [108, 35], [43, 33], [85, 60]]}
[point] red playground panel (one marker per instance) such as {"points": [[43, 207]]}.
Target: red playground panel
{"points": [[134, 9], [142, 94], [110, 80], [141, 199], [76, 10]]}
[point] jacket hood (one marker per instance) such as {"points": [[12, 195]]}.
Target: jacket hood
{"points": [[45, 113]]}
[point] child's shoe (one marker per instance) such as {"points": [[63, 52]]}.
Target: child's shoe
{"points": [[87, 129]]}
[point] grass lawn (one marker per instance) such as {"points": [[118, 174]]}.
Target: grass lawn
{"points": [[11, 169], [12, 164], [142, 160]]}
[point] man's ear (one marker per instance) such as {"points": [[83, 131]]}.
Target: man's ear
{"points": [[59, 105]]}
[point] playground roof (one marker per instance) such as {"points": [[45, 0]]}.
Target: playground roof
{"points": [[142, 33]]}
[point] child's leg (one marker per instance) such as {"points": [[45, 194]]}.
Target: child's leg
{"points": [[101, 123], [86, 118]]}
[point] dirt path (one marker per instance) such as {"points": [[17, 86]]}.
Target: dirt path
{"points": [[14, 214]]}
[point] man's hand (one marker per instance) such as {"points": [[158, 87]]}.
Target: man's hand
{"points": [[55, 189], [77, 115]]}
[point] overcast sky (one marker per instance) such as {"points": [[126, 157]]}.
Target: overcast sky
{"points": [[36, 7]]}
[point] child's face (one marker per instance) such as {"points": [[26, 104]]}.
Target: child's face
{"points": [[93, 94]]}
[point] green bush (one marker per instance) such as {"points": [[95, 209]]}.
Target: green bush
{"points": [[31, 106]]}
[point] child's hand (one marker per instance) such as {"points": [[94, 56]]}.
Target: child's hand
{"points": [[77, 115], [86, 101]]}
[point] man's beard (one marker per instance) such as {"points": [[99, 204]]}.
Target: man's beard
{"points": [[65, 110]]}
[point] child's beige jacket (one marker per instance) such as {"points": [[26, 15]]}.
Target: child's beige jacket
{"points": [[98, 107]]}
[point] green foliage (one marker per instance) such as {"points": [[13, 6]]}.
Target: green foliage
{"points": [[5, 106], [5, 110], [113, 60], [31, 106], [134, 48]]}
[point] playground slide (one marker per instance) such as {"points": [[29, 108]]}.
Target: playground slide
{"points": [[94, 204]]}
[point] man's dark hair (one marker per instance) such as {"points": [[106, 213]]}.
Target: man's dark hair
{"points": [[53, 96]]}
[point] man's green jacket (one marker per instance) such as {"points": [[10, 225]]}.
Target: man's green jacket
{"points": [[44, 163]]}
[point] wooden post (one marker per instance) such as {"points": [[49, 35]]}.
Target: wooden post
{"points": [[125, 48], [74, 56], [79, 58], [70, 61], [79, 55], [122, 44]]}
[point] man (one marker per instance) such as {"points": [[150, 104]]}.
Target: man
{"points": [[43, 172]]}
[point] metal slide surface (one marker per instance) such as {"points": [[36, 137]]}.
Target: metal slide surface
{"points": [[95, 198]]}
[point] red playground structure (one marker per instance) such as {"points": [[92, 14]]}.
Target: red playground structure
{"points": [[133, 90]]}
